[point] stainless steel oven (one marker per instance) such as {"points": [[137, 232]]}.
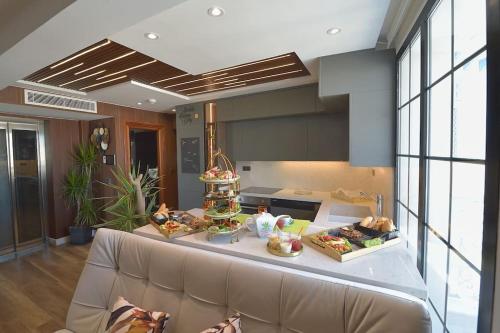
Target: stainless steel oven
{"points": [[250, 204]]}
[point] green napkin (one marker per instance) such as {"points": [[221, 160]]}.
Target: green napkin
{"points": [[294, 228]]}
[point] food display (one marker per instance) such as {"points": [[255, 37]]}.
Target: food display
{"points": [[217, 175], [382, 227], [227, 228], [285, 244], [221, 199], [174, 224], [347, 242]]}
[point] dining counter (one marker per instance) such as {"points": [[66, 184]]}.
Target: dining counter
{"points": [[391, 268]]}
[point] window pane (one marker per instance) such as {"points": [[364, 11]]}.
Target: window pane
{"points": [[404, 129], [413, 185], [469, 123], [440, 119], [436, 271], [403, 221], [467, 210], [437, 326], [413, 236], [440, 40], [438, 197], [403, 180], [415, 127], [415, 67], [463, 296], [469, 27], [404, 79]]}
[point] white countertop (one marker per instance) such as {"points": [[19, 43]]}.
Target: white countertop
{"points": [[390, 268], [325, 198]]}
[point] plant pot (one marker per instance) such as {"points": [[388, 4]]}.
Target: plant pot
{"points": [[80, 234]]}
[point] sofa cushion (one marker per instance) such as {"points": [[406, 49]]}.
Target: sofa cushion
{"points": [[126, 317], [230, 325]]}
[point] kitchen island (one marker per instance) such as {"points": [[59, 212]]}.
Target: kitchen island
{"points": [[390, 269]]}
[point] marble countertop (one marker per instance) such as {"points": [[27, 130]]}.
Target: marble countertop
{"points": [[391, 268], [326, 200]]}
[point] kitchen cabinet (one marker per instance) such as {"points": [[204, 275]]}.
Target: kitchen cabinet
{"points": [[369, 78], [275, 103], [319, 137]]}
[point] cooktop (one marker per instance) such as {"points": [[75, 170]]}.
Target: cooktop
{"points": [[260, 190]]}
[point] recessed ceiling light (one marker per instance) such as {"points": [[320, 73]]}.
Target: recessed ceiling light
{"points": [[139, 103], [151, 101], [173, 110], [151, 35], [333, 31], [215, 11]]}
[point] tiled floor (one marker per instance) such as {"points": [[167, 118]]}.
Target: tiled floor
{"points": [[36, 290]]}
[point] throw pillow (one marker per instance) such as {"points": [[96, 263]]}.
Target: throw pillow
{"points": [[230, 325], [128, 318]]}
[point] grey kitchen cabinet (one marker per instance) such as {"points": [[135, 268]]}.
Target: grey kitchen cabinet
{"points": [[269, 104], [319, 137], [368, 77]]}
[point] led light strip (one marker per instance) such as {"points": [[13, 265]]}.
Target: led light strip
{"points": [[249, 80], [249, 64], [259, 70], [207, 85], [60, 72], [80, 54], [207, 91], [170, 78], [106, 62], [82, 78], [166, 92], [103, 82], [202, 79], [126, 70]]}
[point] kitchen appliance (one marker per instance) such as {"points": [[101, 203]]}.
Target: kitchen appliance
{"points": [[261, 190], [302, 210]]}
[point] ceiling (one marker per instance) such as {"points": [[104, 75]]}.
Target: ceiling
{"points": [[196, 43]]}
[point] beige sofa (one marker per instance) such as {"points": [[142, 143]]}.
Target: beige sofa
{"points": [[200, 289]]}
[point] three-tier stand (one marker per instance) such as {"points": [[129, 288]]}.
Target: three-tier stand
{"points": [[221, 198]]}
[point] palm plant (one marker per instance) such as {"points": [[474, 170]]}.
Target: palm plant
{"points": [[77, 187], [122, 209]]}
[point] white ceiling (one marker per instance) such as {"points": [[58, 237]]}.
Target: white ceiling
{"points": [[195, 42]]}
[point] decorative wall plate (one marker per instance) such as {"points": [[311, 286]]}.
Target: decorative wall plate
{"points": [[100, 138]]}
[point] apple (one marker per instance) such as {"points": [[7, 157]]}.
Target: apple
{"points": [[296, 245], [280, 224]]}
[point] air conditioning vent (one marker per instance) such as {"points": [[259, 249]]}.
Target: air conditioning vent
{"points": [[33, 97]]}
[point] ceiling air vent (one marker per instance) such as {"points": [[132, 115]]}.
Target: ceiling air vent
{"points": [[33, 97]]}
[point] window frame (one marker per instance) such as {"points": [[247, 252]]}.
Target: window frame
{"points": [[491, 161]]}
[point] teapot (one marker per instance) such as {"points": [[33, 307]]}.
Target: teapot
{"points": [[263, 223]]}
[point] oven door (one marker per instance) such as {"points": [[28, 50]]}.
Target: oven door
{"points": [[248, 209]]}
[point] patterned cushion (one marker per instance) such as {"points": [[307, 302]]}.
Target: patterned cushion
{"points": [[230, 325], [128, 318]]}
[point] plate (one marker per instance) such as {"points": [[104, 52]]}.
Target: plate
{"points": [[220, 181], [281, 254], [223, 216]]}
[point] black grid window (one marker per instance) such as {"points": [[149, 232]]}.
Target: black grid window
{"points": [[441, 156]]}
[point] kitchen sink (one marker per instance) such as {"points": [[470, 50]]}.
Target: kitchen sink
{"points": [[348, 213]]}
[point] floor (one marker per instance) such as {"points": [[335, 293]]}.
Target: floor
{"points": [[36, 290]]}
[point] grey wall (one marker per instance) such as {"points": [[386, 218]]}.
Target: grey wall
{"points": [[369, 78], [190, 124]]}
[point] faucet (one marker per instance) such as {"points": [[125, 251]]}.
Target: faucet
{"points": [[378, 198]]}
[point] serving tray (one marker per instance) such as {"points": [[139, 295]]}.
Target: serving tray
{"points": [[281, 254], [201, 224], [356, 252]]}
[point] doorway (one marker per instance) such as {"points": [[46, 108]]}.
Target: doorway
{"points": [[22, 179], [144, 153]]}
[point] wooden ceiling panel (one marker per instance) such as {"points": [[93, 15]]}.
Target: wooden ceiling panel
{"points": [[107, 63]]}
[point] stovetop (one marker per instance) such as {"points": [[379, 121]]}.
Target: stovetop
{"points": [[260, 190]]}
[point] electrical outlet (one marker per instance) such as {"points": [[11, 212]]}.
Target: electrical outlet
{"points": [[246, 168]]}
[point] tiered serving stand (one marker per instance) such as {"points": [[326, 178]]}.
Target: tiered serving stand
{"points": [[221, 198]]}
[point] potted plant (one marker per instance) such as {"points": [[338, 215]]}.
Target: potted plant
{"points": [[127, 210], [77, 191]]}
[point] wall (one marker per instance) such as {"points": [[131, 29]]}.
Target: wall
{"points": [[320, 176]]}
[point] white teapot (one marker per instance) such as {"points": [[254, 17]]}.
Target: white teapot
{"points": [[263, 223]]}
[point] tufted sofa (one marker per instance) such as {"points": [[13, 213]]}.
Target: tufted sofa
{"points": [[200, 289]]}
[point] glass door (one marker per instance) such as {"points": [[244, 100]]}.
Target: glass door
{"points": [[6, 223], [26, 183]]}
